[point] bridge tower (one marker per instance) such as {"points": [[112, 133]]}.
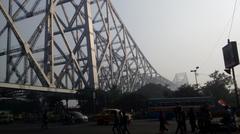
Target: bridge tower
{"points": [[180, 79]]}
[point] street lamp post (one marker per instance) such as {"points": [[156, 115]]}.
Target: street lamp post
{"points": [[195, 74]]}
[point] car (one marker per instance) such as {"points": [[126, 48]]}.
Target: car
{"points": [[73, 117], [6, 117], [79, 117], [107, 115]]}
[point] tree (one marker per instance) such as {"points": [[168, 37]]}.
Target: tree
{"points": [[218, 87], [53, 102], [137, 103], [85, 100], [155, 91], [186, 91], [101, 99], [113, 95]]}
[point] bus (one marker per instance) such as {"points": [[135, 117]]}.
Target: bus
{"points": [[167, 105]]}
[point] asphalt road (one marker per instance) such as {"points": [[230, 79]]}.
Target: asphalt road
{"points": [[136, 127]]}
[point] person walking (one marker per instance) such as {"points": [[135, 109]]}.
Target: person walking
{"points": [[125, 123], [44, 120], [192, 120], [228, 119], [181, 120], [204, 119], [116, 124], [162, 121]]}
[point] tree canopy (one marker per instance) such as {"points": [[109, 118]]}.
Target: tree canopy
{"points": [[187, 91], [218, 87]]}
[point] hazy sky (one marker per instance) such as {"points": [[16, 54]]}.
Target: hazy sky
{"points": [[178, 35]]}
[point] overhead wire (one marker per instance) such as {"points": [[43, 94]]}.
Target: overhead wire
{"points": [[233, 15], [216, 43], [231, 20]]}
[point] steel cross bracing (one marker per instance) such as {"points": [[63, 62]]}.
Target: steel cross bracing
{"points": [[70, 44]]}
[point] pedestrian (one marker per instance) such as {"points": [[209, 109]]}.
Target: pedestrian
{"points": [[120, 126], [181, 120], [116, 124], [162, 121], [192, 120], [200, 118], [125, 123], [228, 119], [44, 120], [204, 119]]}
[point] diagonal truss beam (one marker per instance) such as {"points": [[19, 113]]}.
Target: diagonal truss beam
{"points": [[26, 49]]}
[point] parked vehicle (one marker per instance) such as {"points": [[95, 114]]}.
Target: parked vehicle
{"points": [[79, 117], [5, 117], [107, 115], [73, 117]]}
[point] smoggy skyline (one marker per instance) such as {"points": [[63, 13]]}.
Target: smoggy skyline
{"points": [[176, 36]]}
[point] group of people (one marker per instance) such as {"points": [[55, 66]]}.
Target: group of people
{"points": [[203, 120], [229, 119], [120, 123], [199, 121]]}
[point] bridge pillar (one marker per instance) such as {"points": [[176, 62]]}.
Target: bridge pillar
{"points": [[92, 63], [49, 42]]}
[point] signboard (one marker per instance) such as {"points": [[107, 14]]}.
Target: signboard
{"points": [[230, 54]]}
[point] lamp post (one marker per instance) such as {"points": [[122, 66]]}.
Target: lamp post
{"points": [[195, 74]]}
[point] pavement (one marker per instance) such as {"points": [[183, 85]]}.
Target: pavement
{"points": [[136, 127]]}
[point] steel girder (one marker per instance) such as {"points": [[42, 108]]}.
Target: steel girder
{"points": [[70, 44]]}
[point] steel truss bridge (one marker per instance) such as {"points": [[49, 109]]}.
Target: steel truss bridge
{"points": [[66, 45]]}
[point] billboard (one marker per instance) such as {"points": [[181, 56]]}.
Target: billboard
{"points": [[230, 54]]}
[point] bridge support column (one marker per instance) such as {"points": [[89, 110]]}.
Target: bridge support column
{"points": [[8, 58], [49, 41], [92, 63]]}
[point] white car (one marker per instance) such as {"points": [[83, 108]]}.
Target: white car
{"points": [[78, 117]]}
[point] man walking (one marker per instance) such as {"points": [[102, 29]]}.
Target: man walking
{"points": [[181, 120]]}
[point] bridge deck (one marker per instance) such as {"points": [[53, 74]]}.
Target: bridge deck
{"points": [[9, 86]]}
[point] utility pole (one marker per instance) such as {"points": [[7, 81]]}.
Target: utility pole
{"points": [[228, 70], [235, 87], [230, 55]]}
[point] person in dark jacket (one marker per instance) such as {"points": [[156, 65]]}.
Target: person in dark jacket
{"points": [[44, 120], [192, 119], [116, 124], [125, 123], [162, 121], [204, 119], [181, 120], [228, 119]]}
